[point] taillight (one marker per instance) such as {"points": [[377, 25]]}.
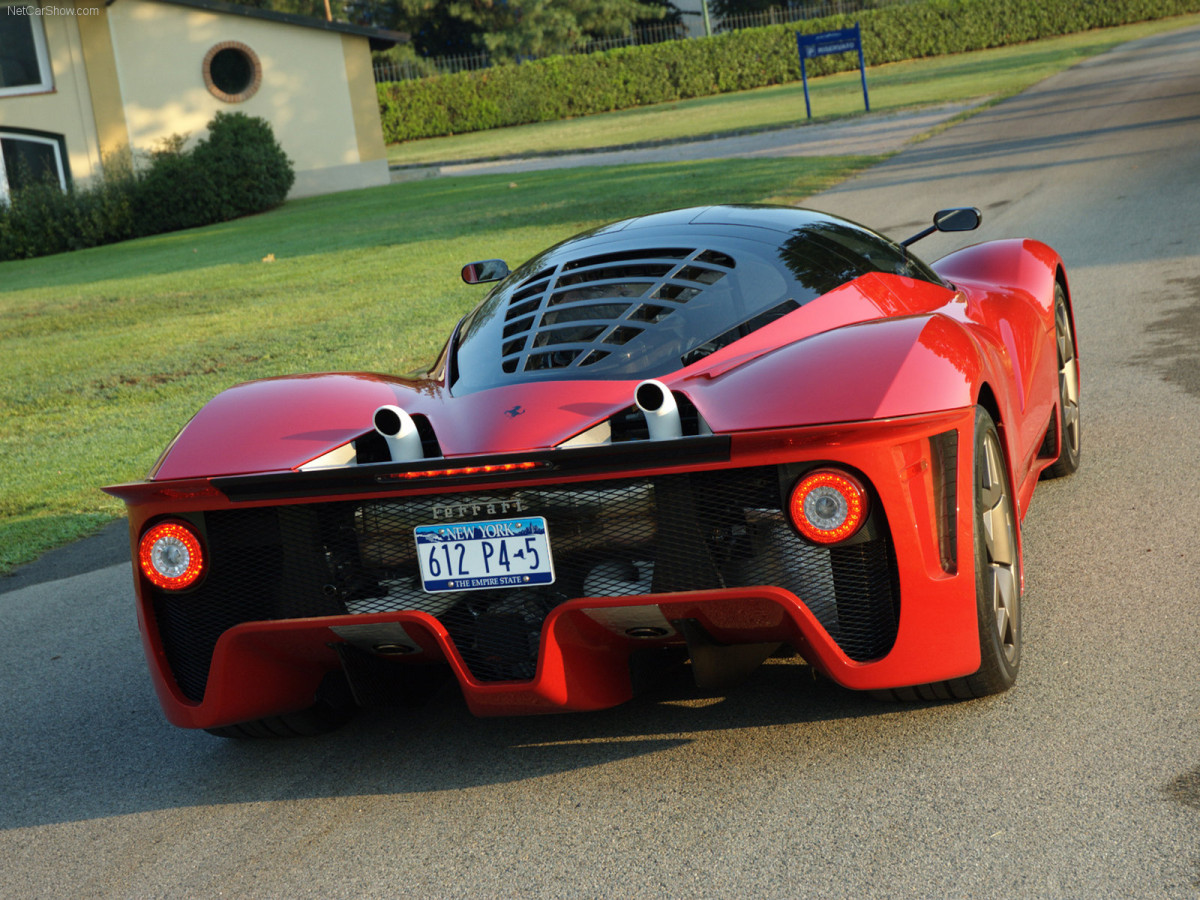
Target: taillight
{"points": [[170, 555], [828, 506]]}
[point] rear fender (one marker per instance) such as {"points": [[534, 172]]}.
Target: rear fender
{"points": [[875, 370], [1019, 264], [1007, 279]]}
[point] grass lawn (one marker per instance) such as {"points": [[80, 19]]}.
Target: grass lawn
{"points": [[107, 352], [994, 73]]}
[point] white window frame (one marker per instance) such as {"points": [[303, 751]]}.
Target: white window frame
{"points": [[5, 193], [45, 71]]}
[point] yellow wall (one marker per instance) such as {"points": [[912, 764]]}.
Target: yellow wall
{"points": [[67, 109], [104, 87], [364, 99], [160, 50]]}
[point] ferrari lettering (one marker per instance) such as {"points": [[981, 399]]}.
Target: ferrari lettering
{"points": [[489, 508]]}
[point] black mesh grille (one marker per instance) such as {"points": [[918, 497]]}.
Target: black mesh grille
{"points": [[613, 538]]}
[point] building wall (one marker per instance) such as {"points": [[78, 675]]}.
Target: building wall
{"points": [[364, 99], [67, 109], [305, 91]]}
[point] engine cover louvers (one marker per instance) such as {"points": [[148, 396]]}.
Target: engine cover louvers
{"points": [[579, 313]]}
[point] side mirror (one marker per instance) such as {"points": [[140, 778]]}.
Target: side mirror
{"points": [[966, 218], [963, 218], [484, 271]]}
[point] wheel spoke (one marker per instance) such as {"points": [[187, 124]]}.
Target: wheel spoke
{"points": [[1066, 346], [1071, 420], [993, 476], [995, 517], [1068, 379], [1001, 612], [1005, 598], [997, 531]]}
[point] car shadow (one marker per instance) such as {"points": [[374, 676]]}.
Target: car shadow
{"points": [[113, 754]]}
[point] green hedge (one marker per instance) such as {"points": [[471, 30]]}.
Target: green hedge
{"points": [[42, 218], [238, 169], [560, 87]]}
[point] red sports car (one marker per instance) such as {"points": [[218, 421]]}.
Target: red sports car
{"points": [[708, 435]]}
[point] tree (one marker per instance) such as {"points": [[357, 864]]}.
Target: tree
{"points": [[507, 29], [724, 9], [515, 29], [312, 8], [434, 28]]}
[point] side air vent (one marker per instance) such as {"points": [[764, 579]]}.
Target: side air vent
{"points": [[586, 309]]}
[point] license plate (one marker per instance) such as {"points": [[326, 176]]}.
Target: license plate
{"points": [[475, 556]]}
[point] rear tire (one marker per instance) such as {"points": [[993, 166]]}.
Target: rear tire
{"points": [[997, 566], [1068, 391], [997, 580]]}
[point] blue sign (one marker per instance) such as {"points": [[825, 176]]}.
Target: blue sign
{"points": [[825, 43]]}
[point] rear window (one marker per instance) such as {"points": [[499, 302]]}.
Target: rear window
{"points": [[642, 309]]}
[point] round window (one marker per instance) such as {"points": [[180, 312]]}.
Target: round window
{"points": [[232, 72]]}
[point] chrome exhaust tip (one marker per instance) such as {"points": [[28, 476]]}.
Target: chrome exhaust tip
{"points": [[658, 405], [400, 431]]}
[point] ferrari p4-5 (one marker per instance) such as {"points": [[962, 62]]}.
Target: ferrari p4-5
{"points": [[705, 436]]}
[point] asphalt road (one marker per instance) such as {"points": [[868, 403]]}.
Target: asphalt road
{"points": [[865, 135], [1083, 781]]}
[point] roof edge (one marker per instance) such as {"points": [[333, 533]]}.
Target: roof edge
{"points": [[379, 38]]}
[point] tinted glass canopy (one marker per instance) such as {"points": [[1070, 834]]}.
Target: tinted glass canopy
{"points": [[643, 297]]}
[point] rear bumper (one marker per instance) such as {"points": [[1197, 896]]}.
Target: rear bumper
{"points": [[268, 667]]}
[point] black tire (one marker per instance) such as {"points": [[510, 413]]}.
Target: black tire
{"points": [[333, 709], [997, 580], [1068, 391]]}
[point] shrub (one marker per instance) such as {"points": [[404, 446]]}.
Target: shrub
{"points": [[43, 219], [237, 170], [248, 169], [33, 223], [174, 192], [108, 212]]}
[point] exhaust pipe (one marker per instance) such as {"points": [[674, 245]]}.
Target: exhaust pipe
{"points": [[400, 431], [657, 404]]}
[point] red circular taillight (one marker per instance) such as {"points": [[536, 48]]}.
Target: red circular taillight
{"points": [[170, 555], [828, 506]]}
